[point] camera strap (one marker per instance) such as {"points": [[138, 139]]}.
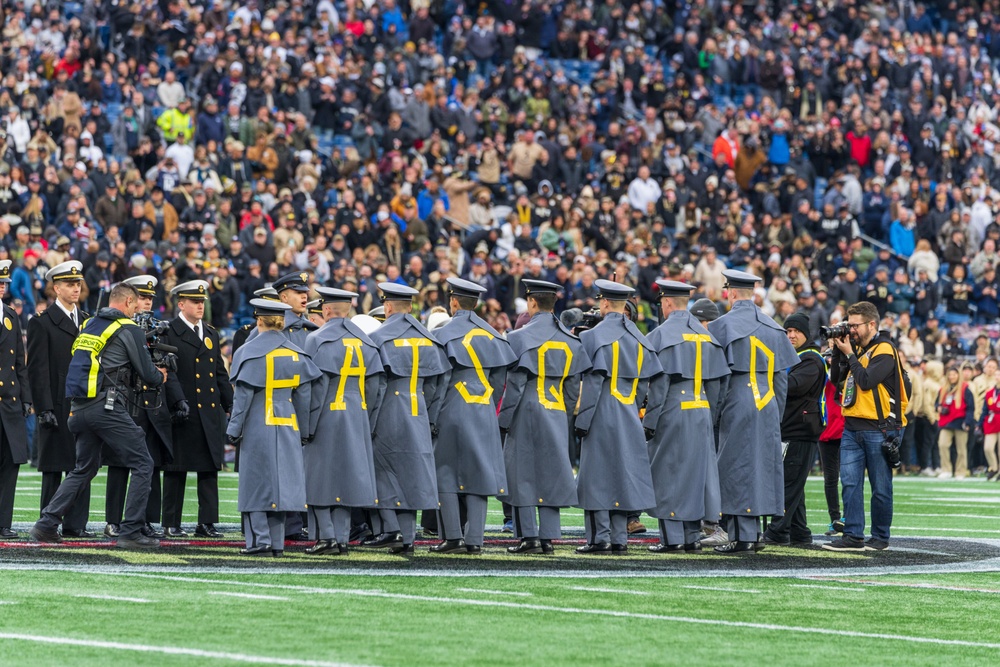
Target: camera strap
{"points": [[885, 424]]}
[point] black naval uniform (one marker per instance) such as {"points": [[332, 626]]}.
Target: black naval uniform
{"points": [[15, 395], [201, 380], [50, 339]]}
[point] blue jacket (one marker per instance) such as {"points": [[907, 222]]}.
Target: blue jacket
{"points": [[779, 152], [425, 203], [22, 287], [902, 240]]}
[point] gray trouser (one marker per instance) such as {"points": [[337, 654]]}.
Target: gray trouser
{"points": [[679, 532], [451, 517], [606, 526], [742, 528], [265, 529], [398, 521], [330, 523], [547, 528], [93, 425]]}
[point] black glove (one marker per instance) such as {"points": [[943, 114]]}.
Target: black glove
{"points": [[26, 409], [180, 412], [233, 440], [581, 433], [306, 441], [47, 419], [504, 432], [650, 433], [434, 430], [170, 363]]}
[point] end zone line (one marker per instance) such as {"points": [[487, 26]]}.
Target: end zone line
{"points": [[173, 650], [613, 613]]}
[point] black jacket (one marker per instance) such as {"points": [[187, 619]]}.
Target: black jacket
{"points": [[802, 419]]}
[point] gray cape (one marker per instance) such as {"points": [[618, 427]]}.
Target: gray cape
{"points": [[536, 451], [614, 464], [340, 465], [404, 455], [682, 451], [751, 477], [297, 327], [467, 451], [272, 478]]}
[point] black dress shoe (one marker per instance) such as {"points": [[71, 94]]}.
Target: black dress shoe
{"points": [[175, 532], [402, 549], [736, 548], [384, 540], [112, 530], [322, 547], [667, 548], [598, 548], [44, 536], [449, 547], [277, 553], [473, 549], [83, 533], [149, 530], [619, 549], [527, 546], [8, 534], [207, 530], [301, 536], [547, 547], [771, 542], [360, 533], [139, 541], [255, 551], [693, 548]]}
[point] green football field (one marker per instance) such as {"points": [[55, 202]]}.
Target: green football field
{"points": [[932, 599]]}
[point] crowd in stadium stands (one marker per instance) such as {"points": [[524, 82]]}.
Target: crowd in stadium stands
{"points": [[842, 149]]}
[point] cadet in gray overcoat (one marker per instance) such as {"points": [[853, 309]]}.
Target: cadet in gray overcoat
{"points": [[614, 477]]}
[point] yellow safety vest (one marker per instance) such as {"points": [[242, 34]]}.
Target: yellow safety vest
{"points": [[863, 405]]}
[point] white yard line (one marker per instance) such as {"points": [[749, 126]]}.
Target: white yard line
{"points": [[933, 587], [172, 650], [607, 590], [723, 590], [114, 598], [829, 588], [249, 596], [489, 592]]}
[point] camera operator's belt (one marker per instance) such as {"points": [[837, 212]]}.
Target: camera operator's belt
{"points": [[93, 344]]}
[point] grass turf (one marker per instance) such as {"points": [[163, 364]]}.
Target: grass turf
{"points": [[502, 609]]}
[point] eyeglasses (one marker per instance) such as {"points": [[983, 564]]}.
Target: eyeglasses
{"points": [[858, 325]]}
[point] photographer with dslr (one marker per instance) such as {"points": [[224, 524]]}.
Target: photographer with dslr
{"points": [[866, 366]]}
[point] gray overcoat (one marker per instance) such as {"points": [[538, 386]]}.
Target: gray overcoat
{"points": [[682, 451], [467, 451], [759, 355], [340, 465], [297, 327], [272, 416], [404, 455], [538, 411], [614, 464]]}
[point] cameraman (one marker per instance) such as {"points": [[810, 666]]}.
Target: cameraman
{"points": [[866, 366], [109, 349]]}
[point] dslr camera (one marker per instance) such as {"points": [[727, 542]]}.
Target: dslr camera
{"points": [[836, 331], [890, 449]]}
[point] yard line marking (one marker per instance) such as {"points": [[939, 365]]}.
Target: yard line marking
{"points": [[829, 588], [724, 590], [114, 598], [249, 596], [488, 592], [174, 650], [606, 590], [946, 530], [612, 613], [935, 587]]}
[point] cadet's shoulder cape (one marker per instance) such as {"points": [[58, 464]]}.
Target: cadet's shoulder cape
{"points": [[492, 350], [250, 361]]}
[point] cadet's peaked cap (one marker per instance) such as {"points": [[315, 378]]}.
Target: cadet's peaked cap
{"points": [[673, 288], [740, 279], [614, 291], [539, 287], [465, 288], [705, 310], [144, 285], [5, 270], [315, 306], [192, 289], [334, 295], [268, 293], [377, 313], [292, 281], [397, 292], [71, 270], [266, 307]]}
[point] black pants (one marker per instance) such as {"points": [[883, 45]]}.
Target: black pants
{"points": [[173, 497], [94, 426], [78, 513], [8, 483], [927, 450], [114, 496], [799, 459], [829, 460]]}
